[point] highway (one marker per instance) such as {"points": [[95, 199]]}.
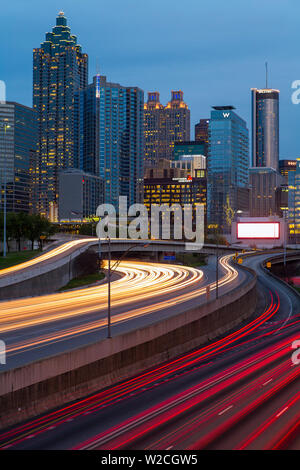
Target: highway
{"points": [[60, 251], [240, 391], [144, 292]]}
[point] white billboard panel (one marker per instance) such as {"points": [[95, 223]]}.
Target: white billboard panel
{"points": [[258, 230]]}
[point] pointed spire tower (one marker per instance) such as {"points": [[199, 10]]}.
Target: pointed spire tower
{"points": [[59, 70]]}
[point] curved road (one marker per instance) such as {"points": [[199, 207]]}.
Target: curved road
{"points": [[238, 392], [37, 327]]}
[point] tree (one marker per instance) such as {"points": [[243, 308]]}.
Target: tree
{"points": [[37, 227]]}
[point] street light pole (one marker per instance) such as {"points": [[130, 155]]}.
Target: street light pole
{"points": [[109, 270], [109, 277], [217, 272]]}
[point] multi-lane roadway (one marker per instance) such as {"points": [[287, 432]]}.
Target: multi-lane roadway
{"points": [[240, 391], [41, 326]]}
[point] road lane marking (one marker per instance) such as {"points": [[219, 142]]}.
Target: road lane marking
{"points": [[226, 409], [268, 381], [282, 411]]}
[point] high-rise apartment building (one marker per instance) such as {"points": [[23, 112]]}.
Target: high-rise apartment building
{"points": [[18, 134], [109, 138], [228, 164], [59, 70], [164, 125], [265, 128]]}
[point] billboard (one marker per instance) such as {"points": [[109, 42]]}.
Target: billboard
{"points": [[258, 230]]}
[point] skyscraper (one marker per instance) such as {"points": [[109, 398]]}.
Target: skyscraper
{"points": [[228, 164], [59, 70], [109, 138], [294, 204], [201, 133], [17, 154], [265, 128], [154, 129], [264, 185], [164, 125]]}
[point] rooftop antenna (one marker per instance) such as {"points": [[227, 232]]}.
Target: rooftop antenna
{"points": [[266, 75]]}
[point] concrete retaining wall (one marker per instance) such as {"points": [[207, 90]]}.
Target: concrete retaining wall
{"points": [[45, 384], [43, 280]]}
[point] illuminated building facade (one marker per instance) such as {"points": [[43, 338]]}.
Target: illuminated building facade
{"points": [[294, 204], [164, 125], [264, 184], [109, 138], [202, 133], [285, 166], [177, 182], [227, 167], [59, 70], [265, 128], [17, 155]]}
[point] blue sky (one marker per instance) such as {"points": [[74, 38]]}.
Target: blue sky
{"points": [[214, 51]]}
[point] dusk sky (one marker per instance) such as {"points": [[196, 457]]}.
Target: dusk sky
{"points": [[213, 51]]}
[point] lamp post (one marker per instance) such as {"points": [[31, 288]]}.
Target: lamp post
{"points": [[110, 269], [217, 262], [5, 127]]}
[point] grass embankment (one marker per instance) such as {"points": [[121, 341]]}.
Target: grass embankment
{"points": [[17, 257], [193, 260], [83, 281]]}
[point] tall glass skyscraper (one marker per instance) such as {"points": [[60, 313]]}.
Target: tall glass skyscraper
{"points": [[228, 167], [18, 134], [109, 139], [59, 70], [265, 128]]}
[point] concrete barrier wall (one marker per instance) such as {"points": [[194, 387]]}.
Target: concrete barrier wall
{"points": [[43, 280], [42, 385]]}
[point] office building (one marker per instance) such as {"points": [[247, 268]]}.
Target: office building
{"points": [[60, 68], [202, 133], [80, 194], [294, 205], [164, 125], [265, 128], [109, 139], [18, 134], [265, 197], [285, 166], [177, 182], [228, 164]]}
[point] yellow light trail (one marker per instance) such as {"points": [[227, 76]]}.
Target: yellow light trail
{"points": [[45, 257], [140, 281]]}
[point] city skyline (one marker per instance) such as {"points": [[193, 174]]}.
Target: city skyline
{"points": [[206, 57]]}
